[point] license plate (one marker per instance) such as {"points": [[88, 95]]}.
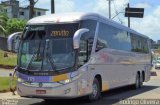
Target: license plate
{"points": [[40, 91]]}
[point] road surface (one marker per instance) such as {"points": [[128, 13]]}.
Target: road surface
{"points": [[5, 72], [150, 90]]}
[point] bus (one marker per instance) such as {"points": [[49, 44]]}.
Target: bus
{"points": [[70, 55]]}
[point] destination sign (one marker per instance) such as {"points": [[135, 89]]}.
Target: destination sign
{"points": [[63, 30], [60, 33]]}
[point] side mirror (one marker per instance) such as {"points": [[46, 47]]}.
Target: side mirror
{"points": [[77, 37], [13, 41]]}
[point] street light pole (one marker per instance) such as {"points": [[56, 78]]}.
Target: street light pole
{"points": [[52, 6], [109, 4], [128, 18], [31, 9]]}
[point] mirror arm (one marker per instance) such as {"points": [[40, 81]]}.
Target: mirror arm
{"points": [[77, 37], [10, 40]]}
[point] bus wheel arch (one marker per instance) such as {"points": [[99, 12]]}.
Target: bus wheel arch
{"points": [[99, 78], [97, 87]]}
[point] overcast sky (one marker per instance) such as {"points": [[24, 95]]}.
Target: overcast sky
{"points": [[149, 25]]}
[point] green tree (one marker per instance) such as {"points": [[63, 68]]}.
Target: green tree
{"points": [[3, 22], [15, 25]]}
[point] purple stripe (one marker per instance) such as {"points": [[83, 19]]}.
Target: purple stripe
{"points": [[34, 78]]}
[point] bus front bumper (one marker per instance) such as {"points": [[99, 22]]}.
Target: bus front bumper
{"points": [[69, 90]]}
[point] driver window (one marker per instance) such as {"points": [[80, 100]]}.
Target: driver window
{"points": [[85, 50], [82, 55]]}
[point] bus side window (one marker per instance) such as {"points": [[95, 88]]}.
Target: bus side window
{"points": [[100, 44]]}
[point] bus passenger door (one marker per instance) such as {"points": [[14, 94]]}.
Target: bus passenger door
{"points": [[83, 61], [84, 51], [82, 54]]}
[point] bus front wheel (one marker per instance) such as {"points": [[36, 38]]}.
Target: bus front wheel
{"points": [[96, 91]]}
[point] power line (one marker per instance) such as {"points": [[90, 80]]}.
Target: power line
{"points": [[24, 1], [116, 11], [120, 11], [69, 4]]}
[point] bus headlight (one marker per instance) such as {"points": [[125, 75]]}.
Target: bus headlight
{"points": [[67, 81], [20, 80], [72, 79]]}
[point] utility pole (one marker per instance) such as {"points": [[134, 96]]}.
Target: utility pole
{"points": [[133, 12], [109, 4], [128, 18], [52, 6], [31, 8]]}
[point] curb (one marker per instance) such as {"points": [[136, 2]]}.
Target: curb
{"points": [[7, 90], [6, 67]]}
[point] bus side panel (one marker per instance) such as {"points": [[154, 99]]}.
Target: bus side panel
{"points": [[147, 72], [118, 68], [84, 81]]}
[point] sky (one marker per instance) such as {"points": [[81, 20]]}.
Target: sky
{"points": [[149, 25]]}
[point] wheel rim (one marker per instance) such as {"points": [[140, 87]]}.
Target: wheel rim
{"points": [[137, 82], [95, 90]]}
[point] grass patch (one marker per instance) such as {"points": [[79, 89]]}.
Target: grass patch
{"points": [[4, 84], [11, 60]]}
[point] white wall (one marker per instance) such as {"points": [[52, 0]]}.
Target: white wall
{"points": [[26, 13]]}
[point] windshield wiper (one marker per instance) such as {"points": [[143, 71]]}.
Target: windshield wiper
{"points": [[51, 62], [47, 56], [34, 54]]}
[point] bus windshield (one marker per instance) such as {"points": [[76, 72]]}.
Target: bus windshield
{"points": [[48, 48]]}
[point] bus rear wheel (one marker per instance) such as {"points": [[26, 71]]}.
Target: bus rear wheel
{"points": [[141, 81], [96, 91], [137, 82]]}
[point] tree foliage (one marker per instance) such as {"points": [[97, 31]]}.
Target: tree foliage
{"points": [[9, 26], [3, 22], [15, 25]]}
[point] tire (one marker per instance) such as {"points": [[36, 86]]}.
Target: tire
{"points": [[141, 81], [96, 94], [137, 82]]}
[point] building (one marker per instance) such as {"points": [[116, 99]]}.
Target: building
{"points": [[155, 45], [158, 41], [24, 12], [13, 10]]}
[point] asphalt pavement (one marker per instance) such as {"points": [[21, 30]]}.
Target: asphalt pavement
{"points": [[150, 93], [5, 72]]}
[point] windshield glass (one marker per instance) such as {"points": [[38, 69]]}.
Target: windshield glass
{"points": [[48, 47]]}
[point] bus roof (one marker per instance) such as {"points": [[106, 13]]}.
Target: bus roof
{"points": [[76, 16]]}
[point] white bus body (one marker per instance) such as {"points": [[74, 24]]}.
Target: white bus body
{"points": [[114, 62]]}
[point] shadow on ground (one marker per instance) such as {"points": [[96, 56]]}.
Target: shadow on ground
{"points": [[108, 98]]}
